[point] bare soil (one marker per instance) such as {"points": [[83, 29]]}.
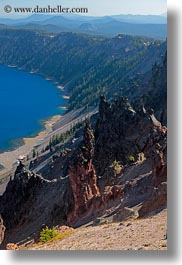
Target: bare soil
{"points": [[134, 234]]}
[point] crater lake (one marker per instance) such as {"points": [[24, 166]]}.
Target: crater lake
{"points": [[26, 100]]}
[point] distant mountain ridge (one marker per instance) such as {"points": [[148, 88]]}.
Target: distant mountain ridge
{"points": [[146, 19], [141, 25]]}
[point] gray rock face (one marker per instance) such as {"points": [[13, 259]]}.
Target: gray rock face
{"points": [[30, 201], [123, 133], [19, 190], [157, 201]]}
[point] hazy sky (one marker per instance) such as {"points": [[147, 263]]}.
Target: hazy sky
{"points": [[96, 7]]}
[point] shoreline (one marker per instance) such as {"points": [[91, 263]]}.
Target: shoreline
{"points": [[8, 158]]}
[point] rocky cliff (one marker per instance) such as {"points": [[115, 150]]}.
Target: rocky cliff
{"points": [[30, 202], [20, 192], [156, 96], [127, 134], [120, 164], [82, 176]]}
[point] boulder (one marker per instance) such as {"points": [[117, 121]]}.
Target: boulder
{"points": [[124, 214], [100, 221], [12, 246]]}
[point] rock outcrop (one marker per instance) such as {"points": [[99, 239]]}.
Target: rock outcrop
{"points": [[124, 214], [123, 132], [20, 191], [121, 164], [113, 128], [2, 230], [12, 246], [124, 136], [82, 176], [29, 202], [157, 201]]}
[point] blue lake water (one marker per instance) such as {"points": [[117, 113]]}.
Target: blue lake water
{"points": [[26, 100]]}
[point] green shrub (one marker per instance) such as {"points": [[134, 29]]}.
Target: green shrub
{"points": [[117, 168], [47, 234], [114, 163], [131, 159]]}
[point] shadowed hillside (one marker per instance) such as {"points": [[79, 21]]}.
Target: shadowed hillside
{"points": [[86, 65]]}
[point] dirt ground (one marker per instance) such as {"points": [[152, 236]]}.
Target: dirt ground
{"points": [[139, 234]]}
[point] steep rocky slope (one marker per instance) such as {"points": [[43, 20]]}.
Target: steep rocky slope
{"points": [[31, 201], [82, 176], [156, 97], [124, 134], [113, 169], [96, 187]]}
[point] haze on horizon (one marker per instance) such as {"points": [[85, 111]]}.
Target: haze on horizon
{"points": [[95, 7]]}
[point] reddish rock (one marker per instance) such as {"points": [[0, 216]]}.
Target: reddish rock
{"points": [[155, 150], [12, 246], [82, 177], [84, 188]]}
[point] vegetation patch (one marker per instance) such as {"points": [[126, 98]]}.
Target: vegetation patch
{"points": [[92, 65], [50, 234], [62, 138], [47, 234], [131, 159], [117, 168]]}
